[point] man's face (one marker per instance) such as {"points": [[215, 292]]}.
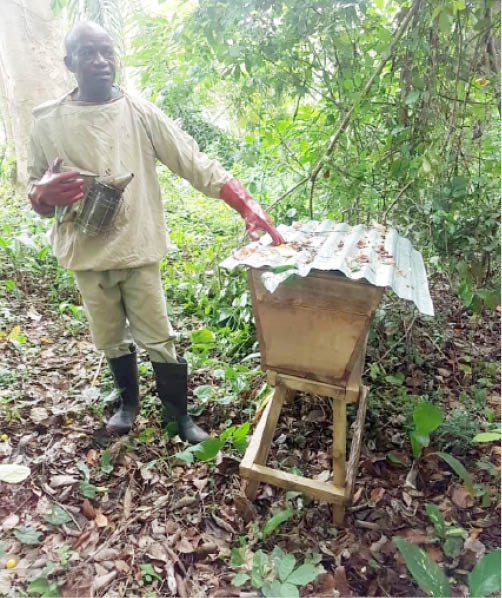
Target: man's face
{"points": [[93, 62]]}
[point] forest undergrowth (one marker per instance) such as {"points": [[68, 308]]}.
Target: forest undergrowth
{"points": [[146, 515]]}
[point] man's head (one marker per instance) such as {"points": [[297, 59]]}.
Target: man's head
{"points": [[90, 57]]}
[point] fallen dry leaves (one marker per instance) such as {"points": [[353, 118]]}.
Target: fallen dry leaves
{"points": [[183, 520]]}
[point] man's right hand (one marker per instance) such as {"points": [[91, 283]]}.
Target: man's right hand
{"points": [[56, 189]]}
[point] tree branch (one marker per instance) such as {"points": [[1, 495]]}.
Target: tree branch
{"points": [[343, 125]]}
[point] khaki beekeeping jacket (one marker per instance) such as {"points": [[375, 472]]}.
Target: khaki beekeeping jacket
{"points": [[125, 134]]}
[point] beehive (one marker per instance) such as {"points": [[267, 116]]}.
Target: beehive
{"points": [[313, 326]]}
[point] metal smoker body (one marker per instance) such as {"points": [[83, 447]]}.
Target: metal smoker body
{"points": [[101, 204]]}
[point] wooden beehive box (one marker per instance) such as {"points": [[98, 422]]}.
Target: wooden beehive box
{"points": [[314, 327]]}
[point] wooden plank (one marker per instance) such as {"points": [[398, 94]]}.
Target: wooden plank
{"points": [[308, 342], [262, 406], [339, 443], [320, 490], [310, 326], [322, 290], [259, 446], [355, 449], [303, 385]]}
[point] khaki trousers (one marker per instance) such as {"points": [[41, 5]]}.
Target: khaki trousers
{"points": [[123, 305]]}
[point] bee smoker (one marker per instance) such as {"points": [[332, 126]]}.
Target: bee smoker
{"points": [[101, 204]]}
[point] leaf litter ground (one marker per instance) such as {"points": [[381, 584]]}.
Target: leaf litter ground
{"points": [[148, 523]]}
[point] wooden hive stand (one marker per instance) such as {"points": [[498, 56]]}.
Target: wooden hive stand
{"points": [[312, 333], [254, 464]]}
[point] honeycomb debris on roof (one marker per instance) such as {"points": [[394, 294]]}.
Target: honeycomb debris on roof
{"points": [[375, 253]]}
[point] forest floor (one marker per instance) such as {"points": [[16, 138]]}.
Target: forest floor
{"points": [[135, 519]]}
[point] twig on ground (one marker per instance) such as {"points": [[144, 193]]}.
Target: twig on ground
{"points": [[98, 369]]}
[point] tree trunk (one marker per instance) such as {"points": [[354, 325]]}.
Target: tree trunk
{"points": [[31, 69]]}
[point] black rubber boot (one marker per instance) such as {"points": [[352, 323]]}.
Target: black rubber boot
{"points": [[172, 384], [125, 374]]}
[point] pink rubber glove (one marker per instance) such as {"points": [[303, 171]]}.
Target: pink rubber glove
{"points": [[255, 217], [56, 189]]}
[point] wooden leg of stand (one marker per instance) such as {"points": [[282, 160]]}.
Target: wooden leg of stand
{"points": [[355, 451], [251, 489], [261, 441], [339, 442]]}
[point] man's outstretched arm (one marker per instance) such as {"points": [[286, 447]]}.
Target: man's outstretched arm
{"points": [[181, 154], [237, 196]]}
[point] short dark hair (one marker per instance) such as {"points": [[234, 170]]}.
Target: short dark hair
{"points": [[71, 37]]}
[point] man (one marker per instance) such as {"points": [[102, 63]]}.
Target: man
{"points": [[98, 128]]}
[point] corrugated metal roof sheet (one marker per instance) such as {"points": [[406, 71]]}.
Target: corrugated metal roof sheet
{"points": [[376, 253]]}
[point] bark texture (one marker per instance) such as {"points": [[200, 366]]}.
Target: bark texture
{"points": [[31, 69]]}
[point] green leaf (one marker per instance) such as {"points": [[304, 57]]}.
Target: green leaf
{"points": [[148, 571], [146, 435], [416, 444], [84, 469], [288, 590], [236, 557], [428, 576], [285, 566], [412, 98], [202, 337], [437, 520], [87, 489], [277, 519], [271, 590], [426, 166], [57, 6], [41, 586], [27, 535], [204, 392], [484, 579], [303, 575], [459, 469], [453, 547], [396, 380], [240, 579], [427, 417], [208, 449], [444, 22], [57, 516], [260, 562], [106, 464], [487, 437], [284, 268], [186, 455]]}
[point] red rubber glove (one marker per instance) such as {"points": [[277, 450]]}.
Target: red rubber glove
{"points": [[255, 217], [56, 189]]}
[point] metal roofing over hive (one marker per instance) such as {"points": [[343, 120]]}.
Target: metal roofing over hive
{"points": [[375, 253]]}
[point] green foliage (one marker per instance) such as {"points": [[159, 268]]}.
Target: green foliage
{"points": [[209, 448], [427, 417], [426, 573], [456, 431], [428, 126], [86, 488], [148, 574], [27, 535], [495, 435], [459, 469], [275, 575], [451, 536], [44, 588], [275, 521], [105, 463], [484, 579], [57, 515]]}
